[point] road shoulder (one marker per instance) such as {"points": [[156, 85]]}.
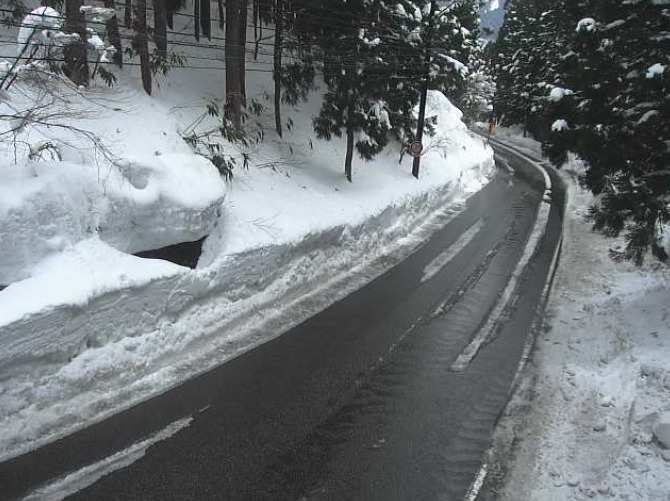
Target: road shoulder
{"points": [[582, 422]]}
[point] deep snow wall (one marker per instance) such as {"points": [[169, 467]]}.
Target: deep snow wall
{"points": [[96, 358]]}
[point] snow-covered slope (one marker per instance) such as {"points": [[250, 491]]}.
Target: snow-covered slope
{"points": [[87, 329]]}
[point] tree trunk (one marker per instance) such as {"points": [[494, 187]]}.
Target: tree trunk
{"points": [[76, 63], [206, 18], [424, 89], [196, 19], [128, 14], [350, 153], [241, 49], [142, 43], [233, 68], [277, 64], [255, 16], [160, 27], [114, 36]]}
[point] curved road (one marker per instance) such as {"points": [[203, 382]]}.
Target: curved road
{"points": [[363, 401]]}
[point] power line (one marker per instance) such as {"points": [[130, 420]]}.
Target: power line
{"points": [[382, 76], [342, 58], [408, 51], [328, 22]]}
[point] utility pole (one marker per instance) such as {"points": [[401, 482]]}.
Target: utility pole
{"points": [[428, 42]]}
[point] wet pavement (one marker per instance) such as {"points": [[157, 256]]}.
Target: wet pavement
{"points": [[356, 403]]}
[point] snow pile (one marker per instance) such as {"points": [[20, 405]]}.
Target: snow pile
{"points": [[304, 191], [87, 329], [75, 275], [93, 330], [147, 203], [599, 387]]}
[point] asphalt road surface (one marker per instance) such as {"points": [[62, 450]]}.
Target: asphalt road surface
{"points": [[360, 402]]}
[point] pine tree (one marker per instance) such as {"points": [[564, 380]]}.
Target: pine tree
{"points": [[618, 118], [477, 100], [529, 49], [455, 46], [353, 64]]}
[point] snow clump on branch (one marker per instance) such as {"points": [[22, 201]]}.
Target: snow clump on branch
{"points": [[586, 24], [558, 93], [38, 28]]}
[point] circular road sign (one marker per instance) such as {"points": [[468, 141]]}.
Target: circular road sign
{"points": [[416, 148]]}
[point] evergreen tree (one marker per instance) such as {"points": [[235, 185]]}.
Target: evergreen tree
{"points": [[477, 100], [617, 118], [529, 50], [456, 48], [353, 102], [113, 34]]}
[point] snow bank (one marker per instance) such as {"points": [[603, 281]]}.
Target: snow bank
{"points": [[285, 202], [283, 250], [149, 203], [74, 277], [87, 330]]}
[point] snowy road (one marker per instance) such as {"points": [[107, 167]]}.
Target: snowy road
{"points": [[390, 393]]}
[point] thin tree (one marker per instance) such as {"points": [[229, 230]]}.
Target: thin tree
{"points": [[206, 18], [279, 14], [196, 19], [76, 61], [235, 61], [141, 40], [113, 35], [160, 27], [128, 14]]}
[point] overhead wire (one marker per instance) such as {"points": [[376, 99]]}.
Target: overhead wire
{"points": [[342, 58], [327, 22]]}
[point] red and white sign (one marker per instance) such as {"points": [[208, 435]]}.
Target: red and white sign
{"points": [[416, 148]]}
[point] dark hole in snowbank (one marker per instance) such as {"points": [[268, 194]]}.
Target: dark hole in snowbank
{"points": [[184, 254], [2, 287]]}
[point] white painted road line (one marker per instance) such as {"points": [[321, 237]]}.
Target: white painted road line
{"points": [[477, 484], [437, 264], [79, 480], [487, 332]]}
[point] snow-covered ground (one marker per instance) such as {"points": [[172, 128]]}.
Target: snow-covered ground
{"points": [[87, 329], [591, 418]]}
